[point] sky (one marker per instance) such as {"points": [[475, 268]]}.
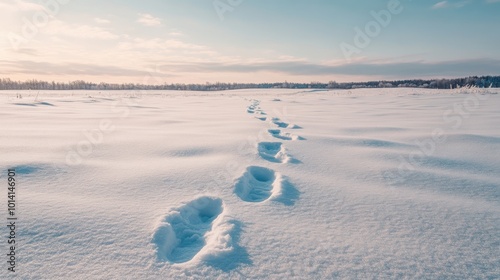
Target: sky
{"points": [[199, 41]]}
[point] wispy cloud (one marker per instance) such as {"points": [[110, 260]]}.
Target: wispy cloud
{"points": [[176, 33], [20, 6], [449, 4], [459, 4], [416, 69], [148, 20], [25, 51], [47, 68], [401, 69], [101, 20], [57, 27], [440, 5], [163, 45]]}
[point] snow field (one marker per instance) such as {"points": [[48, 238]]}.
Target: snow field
{"points": [[259, 184]]}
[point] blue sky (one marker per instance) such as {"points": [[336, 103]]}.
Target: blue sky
{"points": [[198, 41]]}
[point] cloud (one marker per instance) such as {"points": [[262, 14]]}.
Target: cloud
{"points": [[65, 69], [448, 4], [440, 5], [148, 20], [20, 6], [165, 45], [188, 70], [57, 27], [101, 21], [176, 33], [460, 4], [26, 51], [401, 69]]}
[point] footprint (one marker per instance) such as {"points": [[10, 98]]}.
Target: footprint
{"points": [[281, 124], [257, 184], [261, 118], [284, 135], [184, 232], [255, 109], [273, 152]]}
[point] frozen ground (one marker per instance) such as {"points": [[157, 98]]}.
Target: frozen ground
{"points": [[262, 184]]}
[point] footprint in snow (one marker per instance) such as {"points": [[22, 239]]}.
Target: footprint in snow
{"points": [[257, 184], [276, 133], [192, 230], [282, 124], [273, 152], [260, 184]]}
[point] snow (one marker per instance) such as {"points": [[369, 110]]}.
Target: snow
{"points": [[258, 184]]}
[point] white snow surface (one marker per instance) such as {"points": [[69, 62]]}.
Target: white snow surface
{"points": [[253, 184]]}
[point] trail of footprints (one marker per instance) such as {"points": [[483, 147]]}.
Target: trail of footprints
{"points": [[259, 184], [200, 228]]}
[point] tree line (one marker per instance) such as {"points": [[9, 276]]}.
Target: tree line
{"points": [[481, 82]]}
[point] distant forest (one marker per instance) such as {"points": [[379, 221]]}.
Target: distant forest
{"points": [[481, 82]]}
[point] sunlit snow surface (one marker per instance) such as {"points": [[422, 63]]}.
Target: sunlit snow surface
{"points": [[259, 184]]}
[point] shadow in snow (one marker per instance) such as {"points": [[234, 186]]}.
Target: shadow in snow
{"points": [[289, 193], [236, 257]]}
